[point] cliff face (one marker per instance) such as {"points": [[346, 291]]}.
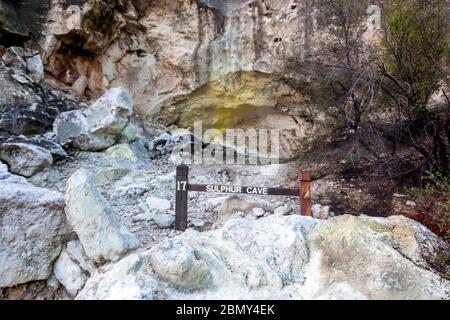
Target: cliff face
{"points": [[165, 50], [181, 60], [21, 20]]}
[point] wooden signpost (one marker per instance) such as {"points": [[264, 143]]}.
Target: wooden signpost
{"points": [[183, 187]]}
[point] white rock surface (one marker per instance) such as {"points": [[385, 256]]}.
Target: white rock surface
{"points": [[283, 257], [258, 212], [100, 232], [411, 203], [178, 264], [158, 204], [69, 273], [97, 127], [129, 279], [283, 210], [164, 221], [130, 188], [197, 223], [76, 252], [321, 212], [32, 228]]}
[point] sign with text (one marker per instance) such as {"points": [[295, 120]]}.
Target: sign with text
{"points": [[183, 187]]}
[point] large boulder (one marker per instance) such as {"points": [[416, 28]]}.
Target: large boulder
{"points": [[27, 60], [26, 106], [97, 127], [55, 149], [284, 257], [103, 237], [283, 249], [177, 263], [25, 159], [377, 258], [129, 279], [32, 230]]}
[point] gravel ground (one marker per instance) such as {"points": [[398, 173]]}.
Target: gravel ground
{"points": [[128, 191]]}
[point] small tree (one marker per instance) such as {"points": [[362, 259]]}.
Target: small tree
{"points": [[415, 50], [345, 76], [414, 62]]}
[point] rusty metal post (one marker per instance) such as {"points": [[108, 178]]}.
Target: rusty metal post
{"points": [[305, 193]]}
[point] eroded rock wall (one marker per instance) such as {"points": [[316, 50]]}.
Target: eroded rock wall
{"points": [[218, 61], [212, 60]]}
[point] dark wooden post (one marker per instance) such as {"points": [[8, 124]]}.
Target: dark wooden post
{"points": [[305, 193], [181, 202]]}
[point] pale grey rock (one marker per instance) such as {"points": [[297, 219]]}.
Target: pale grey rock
{"points": [[157, 204], [32, 230], [398, 195], [105, 177], [5, 176], [99, 230], [278, 243], [98, 127], [110, 114], [142, 217], [231, 206], [283, 210], [214, 203], [35, 67], [21, 78], [164, 221], [197, 223], [129, 279], [411, 203], [27, 60], [52, 282], [71, 126], [69, 273], [76, 252], [379, 258], [321, 212], [258, 212], [25, 159], [129, 189], [283, 257], [177, 263]]}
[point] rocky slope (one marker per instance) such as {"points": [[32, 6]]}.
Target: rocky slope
{"points": [[115, 237], [281, 258], [94, 97], [215, 61]]}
